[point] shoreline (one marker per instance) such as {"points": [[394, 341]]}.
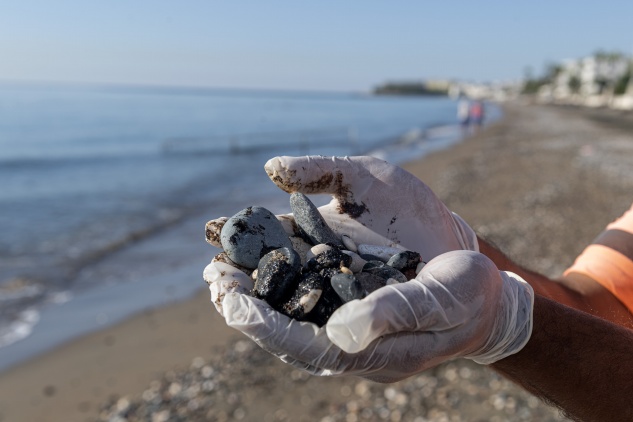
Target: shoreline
{"points": [[540, 183]]}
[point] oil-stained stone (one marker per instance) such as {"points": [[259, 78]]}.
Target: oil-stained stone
{"points": [[306, 296], [276, 276], [250, 234], [313, 224], [370, 282], [386, 272], [331, 258], [405, 260]]}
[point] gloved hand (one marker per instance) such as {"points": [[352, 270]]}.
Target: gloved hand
{"points": [[459, 305], [375, 202], [422, 322]]}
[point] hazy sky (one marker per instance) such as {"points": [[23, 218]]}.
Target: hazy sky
{"points": [[324, 45]]}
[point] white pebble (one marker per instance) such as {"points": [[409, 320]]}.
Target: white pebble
{"points": [[254, 274], [317, 249], [357, 262], [213, 229], [309, 300], [346, 270], [391, 281], [382, 252], [349, 243]]}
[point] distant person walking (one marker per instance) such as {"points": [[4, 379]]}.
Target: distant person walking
{"points": [[477, 114], [463, 113]]}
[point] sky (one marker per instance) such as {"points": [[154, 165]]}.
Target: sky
{"points": [[309, 45]]}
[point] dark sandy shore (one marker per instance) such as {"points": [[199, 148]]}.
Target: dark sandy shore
{"points": [[540, 184]]}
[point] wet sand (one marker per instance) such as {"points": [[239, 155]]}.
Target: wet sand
{"points": [[540, 184]]}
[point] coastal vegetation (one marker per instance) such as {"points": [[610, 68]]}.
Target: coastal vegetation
{"points": [[426, 88]]}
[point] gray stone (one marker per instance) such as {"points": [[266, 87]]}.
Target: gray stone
{"points": [[370, 282], [250, 234], [307, 217], [403, 261], [386, 272], [347, 287]]}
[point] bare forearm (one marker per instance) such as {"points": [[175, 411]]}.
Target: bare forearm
{"points": [[576, 291], [580, 363]]}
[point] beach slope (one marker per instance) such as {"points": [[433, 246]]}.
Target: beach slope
{"points": [[541, 184]]}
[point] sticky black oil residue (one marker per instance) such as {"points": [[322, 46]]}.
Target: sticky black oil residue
{"points": [[347, 205], [352, 209], [321, 184]]}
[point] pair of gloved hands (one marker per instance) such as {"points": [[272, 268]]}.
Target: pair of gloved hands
{"points": [[459, 305]]}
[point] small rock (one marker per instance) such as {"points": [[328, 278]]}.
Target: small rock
{"points": [[276, 275], [357, 262], [317, 249], [405, 260], [382, 252], [331, 258], [250, 234], [347, 287], [372, 264], [212, 231], [386, 272], [370, 282], [306, 296], [307, 217], [350, 245]]}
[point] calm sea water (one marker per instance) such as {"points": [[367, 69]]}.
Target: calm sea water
{"points": [[105, 190]]}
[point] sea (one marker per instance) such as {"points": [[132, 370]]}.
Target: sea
{"points": [[105, 190]]}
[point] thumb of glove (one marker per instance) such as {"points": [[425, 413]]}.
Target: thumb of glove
{"points": [[448, 294]]}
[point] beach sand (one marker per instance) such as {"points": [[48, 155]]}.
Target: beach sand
{"points": [[541, 184]]}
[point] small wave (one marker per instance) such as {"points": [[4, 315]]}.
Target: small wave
{"points": [[19, 328], [19, 288]]}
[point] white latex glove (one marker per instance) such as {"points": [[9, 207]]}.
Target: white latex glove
{"points": [[375, 202], [460, 305]]}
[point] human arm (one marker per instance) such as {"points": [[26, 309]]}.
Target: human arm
{"points": [[574, 290], [580, 363]]}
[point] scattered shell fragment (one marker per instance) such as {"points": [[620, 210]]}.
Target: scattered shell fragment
{"points": [[346, 270]]}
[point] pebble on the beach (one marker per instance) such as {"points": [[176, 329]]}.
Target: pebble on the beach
{"points": [[382, 252], [276, 276], [306, 296], [347, 287], [349, 244], [370, 282], [250, 234], [313, 224], [212, 231], [357, 262], [331, 258]]}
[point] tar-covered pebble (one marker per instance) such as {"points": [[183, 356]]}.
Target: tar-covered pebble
{"points": [[331, 258], [306, 296], [250, 234], [386, 272], [405, 260], [276, 275]]}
